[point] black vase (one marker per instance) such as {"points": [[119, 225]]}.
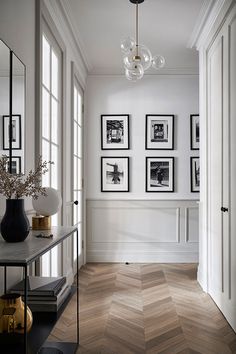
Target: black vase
{"points": [[15, 224]]}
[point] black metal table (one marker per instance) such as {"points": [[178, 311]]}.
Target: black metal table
{"points": [[22, 254]]}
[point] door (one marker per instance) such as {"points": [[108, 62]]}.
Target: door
{"points": [[222, 168], [51, 102], [77, 166]]}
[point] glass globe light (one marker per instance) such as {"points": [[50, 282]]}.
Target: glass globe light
{"points": [[135, 72], [144, 57], [127, 45], [158, 62]]}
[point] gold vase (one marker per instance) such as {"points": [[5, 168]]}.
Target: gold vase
{"points": [[12, 314]]}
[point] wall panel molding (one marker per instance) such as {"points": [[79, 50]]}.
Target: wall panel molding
{"points": [[142, 231]]}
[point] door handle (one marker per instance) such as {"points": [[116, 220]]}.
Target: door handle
{"points": [[224, 209], [76, 202]]}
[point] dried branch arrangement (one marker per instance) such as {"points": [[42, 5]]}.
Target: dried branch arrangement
{"points": [[14, 186]]}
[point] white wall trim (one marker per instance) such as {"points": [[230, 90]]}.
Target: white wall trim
{"points": [[78, 43], [201, 22], [62, 23], [216, 17], [141, 231], [142, 257], [185, 71]]}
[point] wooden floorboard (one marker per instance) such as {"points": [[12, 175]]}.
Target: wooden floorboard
{"points": [[145, 308]]}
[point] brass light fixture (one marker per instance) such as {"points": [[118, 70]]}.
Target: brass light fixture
{"points": [[137, 58]]}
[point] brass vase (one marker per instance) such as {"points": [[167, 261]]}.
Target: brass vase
{"points": [[12, 314]]}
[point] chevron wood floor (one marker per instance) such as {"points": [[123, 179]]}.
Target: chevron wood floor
{"points": [[145, 308]]}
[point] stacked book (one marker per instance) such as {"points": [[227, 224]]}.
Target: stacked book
{"points": [[45, 294]]}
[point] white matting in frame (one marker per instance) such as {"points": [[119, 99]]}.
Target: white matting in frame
{"points": [[115, 174]]}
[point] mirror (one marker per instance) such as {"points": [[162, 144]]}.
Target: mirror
{"points": [[12, 109]]}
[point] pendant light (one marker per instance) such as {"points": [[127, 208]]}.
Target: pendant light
{"points": [[137, 58]]}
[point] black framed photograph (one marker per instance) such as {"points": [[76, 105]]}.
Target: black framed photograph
{"points": [[16, 132], [115, 174], [15, 165], [159, 174], [159, 132], [195, 174], [194, 132], [115, 132]]}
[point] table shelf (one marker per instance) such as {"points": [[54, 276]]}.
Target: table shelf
{"points": [[43, 322]]}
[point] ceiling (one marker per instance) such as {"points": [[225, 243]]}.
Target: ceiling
{"points": [[165, 28]]}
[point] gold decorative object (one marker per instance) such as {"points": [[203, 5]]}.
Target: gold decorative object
{"points": [[12, 314], [41, 223]]}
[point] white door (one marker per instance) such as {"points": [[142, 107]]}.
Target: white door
{"points": [[51, 102], [222, 169], [77, 166]]}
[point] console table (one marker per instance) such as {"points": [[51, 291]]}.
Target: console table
{"points": [[22, 254]]}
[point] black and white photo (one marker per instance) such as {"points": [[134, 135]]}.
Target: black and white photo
{"points": [[115, 174], [115, 132], [16, 132], [159, 174], [195, 174], [15, 165], [159, 132], [194, 131]]}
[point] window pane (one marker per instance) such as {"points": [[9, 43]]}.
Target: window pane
{"points": [[46, 114], [54, 167], [54, 261], [54, 120], [54, 220], [75, 242], [46, 62], [79, 141], [55, 73], [75, 138], [79, 119], [79, 174], [46, 265], [75, 173], [75, 209], [75, 103], [46, 156]]}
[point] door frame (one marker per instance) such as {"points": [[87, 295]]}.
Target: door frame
{"points": [[75, 79]]}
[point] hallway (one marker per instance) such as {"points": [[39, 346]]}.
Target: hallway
{"points": [[146, 308]]}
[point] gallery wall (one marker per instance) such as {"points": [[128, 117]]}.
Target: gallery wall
{"points": [[115, 230], [153, 95]]}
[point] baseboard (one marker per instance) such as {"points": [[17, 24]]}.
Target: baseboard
{"points": [[142, 257], [202, 279]]}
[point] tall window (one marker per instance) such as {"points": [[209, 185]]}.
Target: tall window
{"points": [[51, 132], [77, 163]]}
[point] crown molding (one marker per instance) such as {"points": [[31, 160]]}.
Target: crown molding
{"points": [[163, 72], [66, 11], [214, 18], [201, 22]]}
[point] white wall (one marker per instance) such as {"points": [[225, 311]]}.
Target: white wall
{"points": [[121, 216], [152, 95]]}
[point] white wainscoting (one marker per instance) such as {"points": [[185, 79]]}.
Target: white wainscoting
{"points": [[142, 231]]}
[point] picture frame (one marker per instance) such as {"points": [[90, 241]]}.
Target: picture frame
{"points": [[115, 132], [194, 132], [16, 132], [114, 174], [160, 174], [195, 174], [159, 132], [16, 165]]}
